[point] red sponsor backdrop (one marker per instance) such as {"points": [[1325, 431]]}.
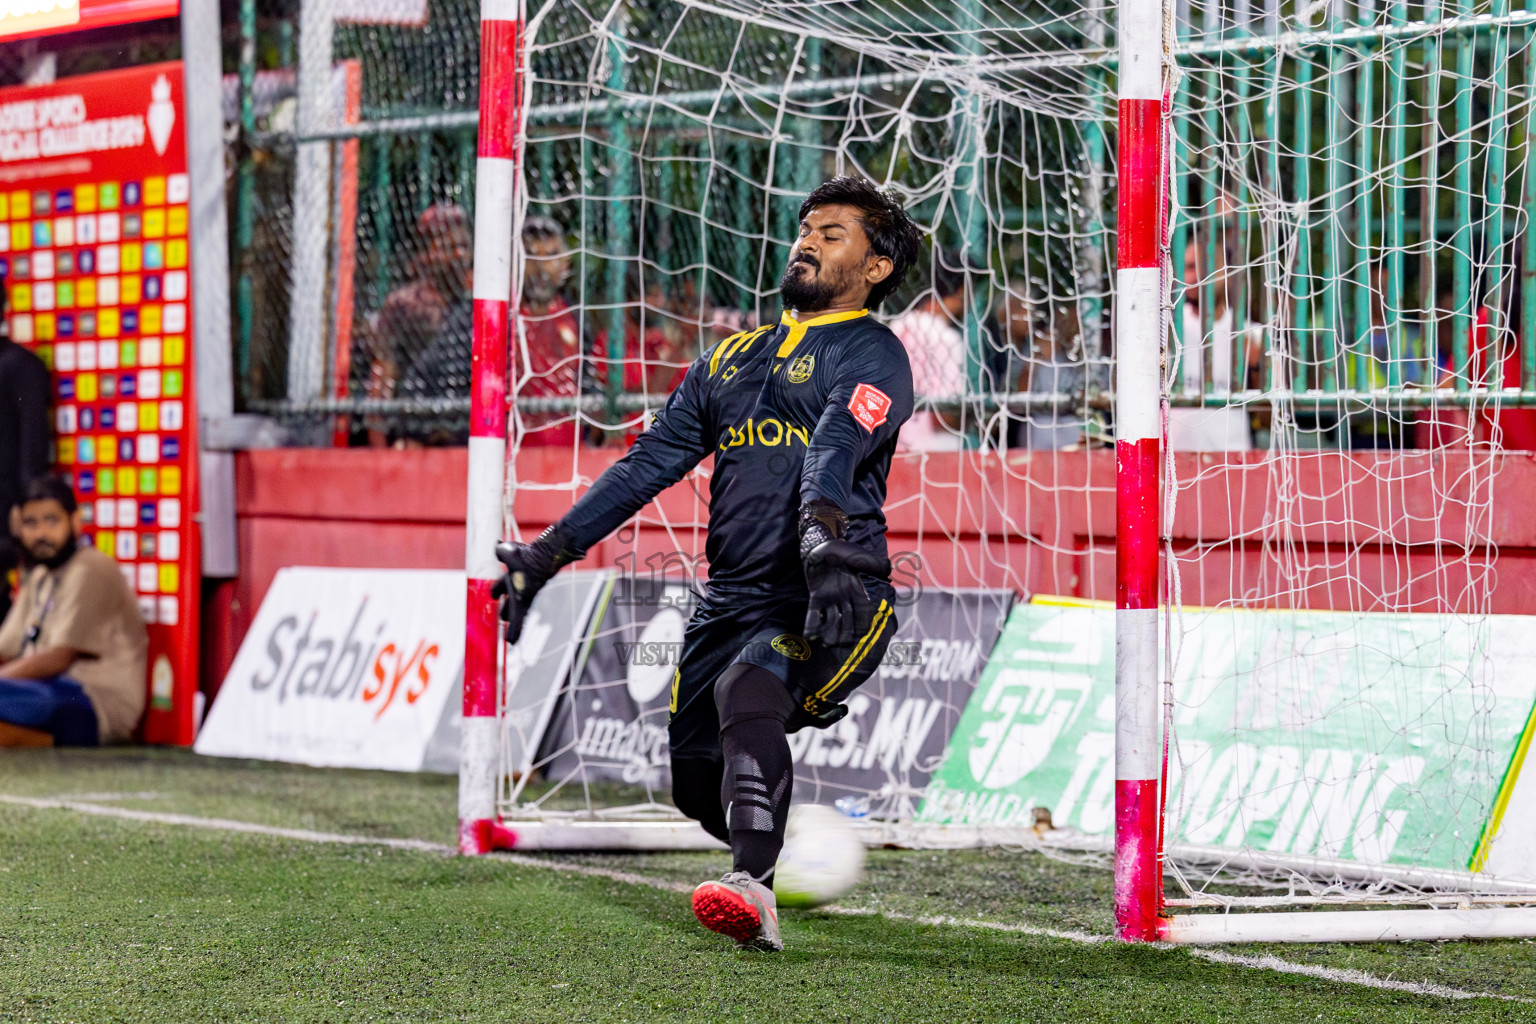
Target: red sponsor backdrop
{"points": [[94, 242], [76, 15]]}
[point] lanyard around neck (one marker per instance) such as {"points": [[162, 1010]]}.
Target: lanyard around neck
{"points": [[43, 607]]}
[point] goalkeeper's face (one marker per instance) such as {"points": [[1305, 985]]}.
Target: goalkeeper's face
{"points": [[831, 265]]}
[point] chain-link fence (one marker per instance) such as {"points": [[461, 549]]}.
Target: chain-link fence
{"points": [[1349, 190]]}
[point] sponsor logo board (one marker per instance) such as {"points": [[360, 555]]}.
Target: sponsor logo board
{"points": [[343, 667], [613, 725], [554, 635], [1377, 738], [900, 720]]}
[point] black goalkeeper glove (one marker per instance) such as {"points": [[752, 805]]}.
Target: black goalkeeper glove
{"points": [[529, 567], [839, 611]]}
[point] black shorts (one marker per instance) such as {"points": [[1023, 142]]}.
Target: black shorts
{"points": [[730, 626]]}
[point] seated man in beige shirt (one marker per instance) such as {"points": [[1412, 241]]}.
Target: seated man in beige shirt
{"points": [[72, 648]]}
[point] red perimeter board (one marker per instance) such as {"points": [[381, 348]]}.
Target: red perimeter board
{"points": [[95, 245]]}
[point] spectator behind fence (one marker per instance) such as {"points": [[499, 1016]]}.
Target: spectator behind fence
{"points": [[658, 345], [444, 369], [701, 318], [1493, 359], [432, 306], [72, 649], [660, 340], [1045, 347], [1389, 355], [1208, 358], [546, 352], [547, 357], [1516, 427], [23, 438], [935, 346]]}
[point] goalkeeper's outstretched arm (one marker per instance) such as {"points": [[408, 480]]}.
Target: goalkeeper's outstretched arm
{"points": [[676, 442], [870, 399]]}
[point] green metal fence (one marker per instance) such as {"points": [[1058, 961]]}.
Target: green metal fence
{"points": [[1393, 148], [1349, 182]]}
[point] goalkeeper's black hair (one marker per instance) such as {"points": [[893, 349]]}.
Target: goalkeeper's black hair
{"points": [[891, 231]]}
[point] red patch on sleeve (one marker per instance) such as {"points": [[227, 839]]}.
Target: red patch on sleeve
{"points": [[869, 406]]}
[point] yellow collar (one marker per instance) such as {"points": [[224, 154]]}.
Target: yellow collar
{"points": [[797, 328], [820, 321]]}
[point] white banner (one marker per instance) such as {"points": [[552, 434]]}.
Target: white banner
{"points": [[349, 668], [1374, 737]]}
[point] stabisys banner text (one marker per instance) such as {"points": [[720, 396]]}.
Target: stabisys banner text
{"points": [[347, 668]]}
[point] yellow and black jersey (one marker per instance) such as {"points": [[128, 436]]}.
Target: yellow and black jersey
{"points": [[792, 412]]}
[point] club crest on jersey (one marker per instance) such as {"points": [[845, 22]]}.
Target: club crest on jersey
{"points": [[792, 647], [869, 406], [800, 369]]}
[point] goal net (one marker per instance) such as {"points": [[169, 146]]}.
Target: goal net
{"points": [[1349, 356], [668, 148]]}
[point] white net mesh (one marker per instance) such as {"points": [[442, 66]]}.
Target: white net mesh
{"points": [[1346, 362], [1349, 222], [669, 146]]}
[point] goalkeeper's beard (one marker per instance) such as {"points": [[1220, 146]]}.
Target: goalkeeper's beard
{"points": [[811, 293]]}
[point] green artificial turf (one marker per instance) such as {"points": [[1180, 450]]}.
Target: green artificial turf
{"points": [[105, 920]]}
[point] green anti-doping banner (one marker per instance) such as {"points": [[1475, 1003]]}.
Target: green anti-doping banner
{"points": [[1381, 738]]}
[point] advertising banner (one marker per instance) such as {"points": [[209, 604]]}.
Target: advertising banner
{"points": [[554, 635], [95, 250], [1379, 738], [900, 720], [347, 668], [613, 725], [52, 17], [1508, 845]]}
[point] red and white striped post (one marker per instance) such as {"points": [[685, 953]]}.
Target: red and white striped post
{"points": [[1138, 442], [501, 98]]}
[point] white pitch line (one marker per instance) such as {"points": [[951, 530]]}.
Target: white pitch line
{"points": [[1346, 976], [945, 921], [303, 835], [1343, 976], [592, 871]]}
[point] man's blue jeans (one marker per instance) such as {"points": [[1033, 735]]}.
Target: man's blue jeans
{"points": [[57, 706]]}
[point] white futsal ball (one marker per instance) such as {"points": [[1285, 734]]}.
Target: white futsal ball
{"points": [[822, 857]]}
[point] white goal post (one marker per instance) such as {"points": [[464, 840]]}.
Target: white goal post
{"points": [[1209, 339]]}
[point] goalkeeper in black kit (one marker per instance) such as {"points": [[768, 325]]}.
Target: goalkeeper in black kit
{"points": [[802, 417]]}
